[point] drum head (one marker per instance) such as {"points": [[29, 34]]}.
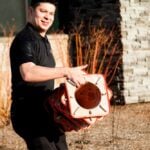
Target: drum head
{"points": [[88, 95]]}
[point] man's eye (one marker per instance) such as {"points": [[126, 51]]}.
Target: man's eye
{"points": [[43, 10]]}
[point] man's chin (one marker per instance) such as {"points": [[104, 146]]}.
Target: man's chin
{"points": [[43, 29]]}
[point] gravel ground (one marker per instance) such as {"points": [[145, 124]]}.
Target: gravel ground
{"points": [[125, 128]]}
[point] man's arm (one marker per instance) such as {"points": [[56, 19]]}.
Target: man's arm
{"points": [[31, 72]]}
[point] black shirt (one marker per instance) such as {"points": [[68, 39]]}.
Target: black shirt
{"points": [[29, 46]]}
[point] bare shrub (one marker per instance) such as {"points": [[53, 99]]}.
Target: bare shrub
{"points": [[98, 47]]}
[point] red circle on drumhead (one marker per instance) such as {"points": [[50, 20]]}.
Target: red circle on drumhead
{"points": [[88, 95]]}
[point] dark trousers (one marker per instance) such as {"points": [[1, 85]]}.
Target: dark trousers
{"points": [[37, 127], [43, 143]]}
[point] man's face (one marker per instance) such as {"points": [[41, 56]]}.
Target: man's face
{"points": [[42, 16]]}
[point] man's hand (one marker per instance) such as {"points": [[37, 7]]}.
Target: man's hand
{"points": [[76, 74]]}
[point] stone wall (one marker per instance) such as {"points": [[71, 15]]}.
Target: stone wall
{"points": [[135, 28]]}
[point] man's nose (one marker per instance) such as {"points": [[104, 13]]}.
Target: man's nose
{"points": [[46, 17]]}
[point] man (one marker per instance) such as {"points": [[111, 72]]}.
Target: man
{"points": [[33, 73]]}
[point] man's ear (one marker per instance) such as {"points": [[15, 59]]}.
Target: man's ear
{"points": [[30, 13], [30, 10]]}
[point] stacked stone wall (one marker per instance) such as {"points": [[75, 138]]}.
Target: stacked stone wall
{"points": [[135, 28]]}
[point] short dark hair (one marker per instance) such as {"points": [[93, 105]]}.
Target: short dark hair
{"points": [[34, 3]]}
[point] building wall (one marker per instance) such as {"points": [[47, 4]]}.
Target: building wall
{"points": [[135, 27], [12, 16]]}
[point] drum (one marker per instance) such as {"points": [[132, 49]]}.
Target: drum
{"points": [[79, 108]]}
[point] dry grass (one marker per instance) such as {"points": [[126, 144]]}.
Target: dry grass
{"points": [[5, 97], [5, 77], [59, 44]]}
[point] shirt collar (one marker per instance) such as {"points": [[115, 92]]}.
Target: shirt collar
{"points": [[35, 32]]}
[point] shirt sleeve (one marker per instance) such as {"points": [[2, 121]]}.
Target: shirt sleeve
{"points": [[25, 52]]}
